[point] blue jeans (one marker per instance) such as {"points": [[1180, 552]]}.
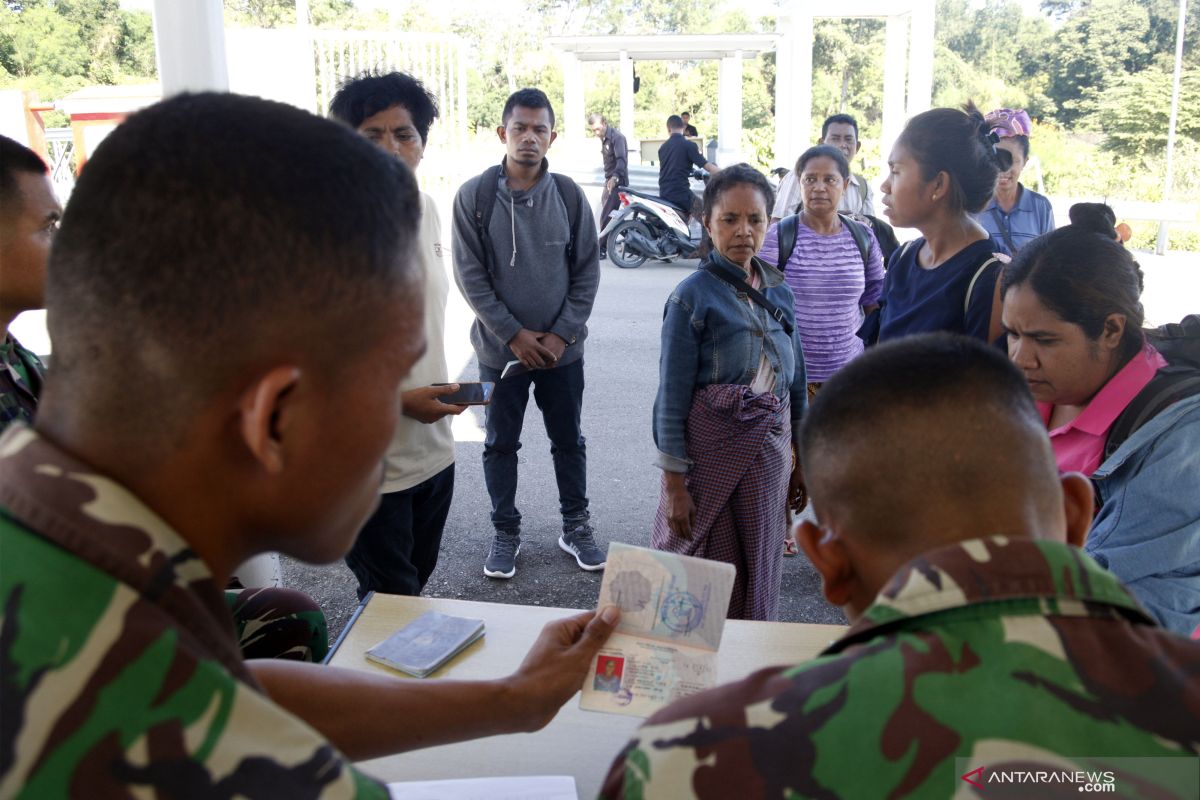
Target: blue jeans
{"points": [[558, 392]]}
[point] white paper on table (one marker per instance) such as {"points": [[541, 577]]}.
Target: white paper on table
{"points": [[533, 787], [673, 611]]}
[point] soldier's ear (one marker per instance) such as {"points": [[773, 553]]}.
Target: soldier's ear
{"points": [[828, 555], [1078, 505], [264, 415]]}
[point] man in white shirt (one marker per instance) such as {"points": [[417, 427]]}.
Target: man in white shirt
{"points": [[397, 549], [840, 131]]}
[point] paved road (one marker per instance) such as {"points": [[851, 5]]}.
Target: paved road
{"points": [[621, 368]]}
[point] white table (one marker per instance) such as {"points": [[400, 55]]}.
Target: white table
{"points": [[578, 743]]}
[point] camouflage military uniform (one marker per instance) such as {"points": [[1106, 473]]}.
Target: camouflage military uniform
{"points": [[121, 672], [20, 382], [999, 651], [270, 623]]}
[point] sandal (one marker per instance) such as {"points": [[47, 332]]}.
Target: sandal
{"points": [[789, 547]]}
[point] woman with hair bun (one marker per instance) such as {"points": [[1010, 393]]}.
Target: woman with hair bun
{"points": [[942, 170], [1016, 215], [1073, 317]]}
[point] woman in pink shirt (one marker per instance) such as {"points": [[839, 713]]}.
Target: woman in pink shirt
{"points": [[1073, 317]]}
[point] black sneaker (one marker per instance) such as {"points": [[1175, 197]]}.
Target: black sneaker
{"points": [[502, 558], [581, 544]]}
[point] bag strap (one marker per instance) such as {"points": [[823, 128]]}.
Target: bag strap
{"points": [[569, 193], [485, 201], [1168, 386], [1005, 230], [786, 234], [787, 229], [860, 235], [975, 279], [740, 284]]}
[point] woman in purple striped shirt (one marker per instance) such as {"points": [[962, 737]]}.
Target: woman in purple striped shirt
{"points": [[831, 277]]}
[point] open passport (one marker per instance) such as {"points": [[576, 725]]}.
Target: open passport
{"points": [[673, 611]]}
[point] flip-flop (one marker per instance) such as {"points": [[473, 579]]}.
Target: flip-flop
{"points": [[789, 547]]}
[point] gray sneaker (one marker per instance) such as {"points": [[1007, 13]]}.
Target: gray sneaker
{"points": [[581, 544], [502, 558]]}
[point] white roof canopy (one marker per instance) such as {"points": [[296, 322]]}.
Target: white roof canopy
{"points": [[690, 47]]}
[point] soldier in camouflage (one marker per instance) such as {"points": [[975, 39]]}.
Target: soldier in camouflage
{"points": [[29, 214], [984, 643], [270, 622], [231, 275]]}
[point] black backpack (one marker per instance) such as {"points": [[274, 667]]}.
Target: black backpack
{"points": [[787, 237], [1179, 344], [485, 201]]}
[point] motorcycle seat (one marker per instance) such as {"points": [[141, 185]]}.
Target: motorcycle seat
{"points": [[653, 197]]}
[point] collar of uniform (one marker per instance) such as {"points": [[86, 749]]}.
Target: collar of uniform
{"points": [[1024, 201], [92, 516], [1051, 578]]}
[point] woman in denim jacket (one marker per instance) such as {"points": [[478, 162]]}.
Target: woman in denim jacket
{"points": [[1073, 318], [731, 393]]}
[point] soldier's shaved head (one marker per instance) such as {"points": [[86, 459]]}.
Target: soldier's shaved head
{"points": [[207, 234], [233, 302], [926, 441]]}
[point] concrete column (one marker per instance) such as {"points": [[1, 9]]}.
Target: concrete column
{"points": [[920, 59], [729, 111], [190, 41], [572, 125], [626, 123], [793, 90], [896, 39]]}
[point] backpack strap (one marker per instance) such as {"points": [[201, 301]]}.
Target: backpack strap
{"points": [[737, 282], [786, 236], [569, 193], [1171, 384], [861, 237], [485, 201], [975, 279]]}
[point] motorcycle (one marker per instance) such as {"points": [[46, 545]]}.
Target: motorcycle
{"points": [[645, 226]]}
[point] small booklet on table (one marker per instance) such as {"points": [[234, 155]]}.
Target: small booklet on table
{"points": [[673, 611], [425, 644]]}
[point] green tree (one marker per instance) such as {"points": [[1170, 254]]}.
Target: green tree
{"points": [[1099, 42], [1136, 110]]}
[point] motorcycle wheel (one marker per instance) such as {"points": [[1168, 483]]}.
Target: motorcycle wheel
{"points": [[617, 253]]}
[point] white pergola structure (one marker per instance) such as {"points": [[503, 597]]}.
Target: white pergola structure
{"points": [[908, 55], [729, 48]]}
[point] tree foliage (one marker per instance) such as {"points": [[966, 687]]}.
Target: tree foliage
{"points": [[57, 46]]}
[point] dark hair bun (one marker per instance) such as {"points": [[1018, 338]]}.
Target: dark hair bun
{"points": [[1094, 218]]}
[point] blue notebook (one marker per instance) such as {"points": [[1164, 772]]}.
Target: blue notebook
{"points": [[425, 644]]}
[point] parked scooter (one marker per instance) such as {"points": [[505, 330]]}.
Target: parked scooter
{"points": [[645, 226]]}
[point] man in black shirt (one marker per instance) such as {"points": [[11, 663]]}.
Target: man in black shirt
{"points": [[676, 158], [615, 152], [689, 130]]}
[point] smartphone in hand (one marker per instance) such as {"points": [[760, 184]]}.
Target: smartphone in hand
{"points": [[469, 394]]}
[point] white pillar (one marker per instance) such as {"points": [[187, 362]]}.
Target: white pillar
{"points": [[573, 109], [190, 41], [784, 104], [795, 85], [729, 111], [626, 124], [896, 38], [920, 63]]}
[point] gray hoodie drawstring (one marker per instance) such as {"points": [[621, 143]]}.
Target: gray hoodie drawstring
{"points": [[512, 216]]}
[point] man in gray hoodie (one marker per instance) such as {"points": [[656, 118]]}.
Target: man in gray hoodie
{"points": [[527, 261]]}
